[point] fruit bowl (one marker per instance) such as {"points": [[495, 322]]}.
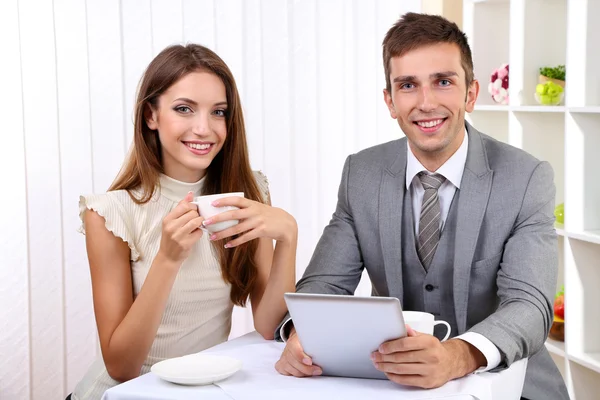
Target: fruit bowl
{"points": [[549, 93], [549, 101]]}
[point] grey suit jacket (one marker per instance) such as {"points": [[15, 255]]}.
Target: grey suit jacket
{"points": [[506, 261]]}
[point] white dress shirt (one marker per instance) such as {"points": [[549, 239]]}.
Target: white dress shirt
{"points": [[452, 170]]}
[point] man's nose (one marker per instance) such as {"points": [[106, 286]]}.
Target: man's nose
{"points": [[427, 99]]}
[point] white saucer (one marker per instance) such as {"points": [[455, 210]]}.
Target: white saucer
{"points": [[196, 369]]}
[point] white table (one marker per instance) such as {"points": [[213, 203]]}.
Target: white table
{"points": [[503, 385]]}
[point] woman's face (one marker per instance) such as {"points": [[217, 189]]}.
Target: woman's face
{"points": [[191, 124]]}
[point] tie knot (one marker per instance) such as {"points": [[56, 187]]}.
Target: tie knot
{"points": [[433, 181]]}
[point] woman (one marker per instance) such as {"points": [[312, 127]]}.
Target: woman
{"points": [[162, 287]]}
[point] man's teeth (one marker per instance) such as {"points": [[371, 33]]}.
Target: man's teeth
{"points": [[430, 124], [198, 146]]}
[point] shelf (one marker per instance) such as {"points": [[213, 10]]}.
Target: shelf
{"points": [[486, 107], [536, 109], [555, 347], [588, 360], [539, 109], [591, 110], [586, 236], [560, 229]]}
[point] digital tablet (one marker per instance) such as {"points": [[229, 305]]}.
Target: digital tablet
{"points": [[340, 332]]}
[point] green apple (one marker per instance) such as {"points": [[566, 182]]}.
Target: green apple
{"points": [[545, 99], [559, 213], [541, 88]]}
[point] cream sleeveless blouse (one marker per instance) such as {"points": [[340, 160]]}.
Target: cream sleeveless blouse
{"points": [[198, 311]]}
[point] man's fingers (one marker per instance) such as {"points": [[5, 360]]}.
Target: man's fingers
{"points": [[416, 356], [402, 369], [293, 371], [296, 351], [299, 365], [418, 342], [410, 332], [424, 382]]}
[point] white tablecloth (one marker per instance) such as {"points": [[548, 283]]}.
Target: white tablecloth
{"points": [[259, 380]]}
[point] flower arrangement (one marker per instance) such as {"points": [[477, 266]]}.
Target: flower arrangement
{"points": [[498, 86]]}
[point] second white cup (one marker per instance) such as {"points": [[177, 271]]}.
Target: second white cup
{"points": [[424, 322], [207, 210]]}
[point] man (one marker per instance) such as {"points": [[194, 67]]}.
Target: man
{"points": [[448, 220]]}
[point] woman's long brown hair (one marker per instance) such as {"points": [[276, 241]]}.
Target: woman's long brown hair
{"points": [[229, 171]]}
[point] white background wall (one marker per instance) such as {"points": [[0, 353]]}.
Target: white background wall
{"points": [[310, 76]]}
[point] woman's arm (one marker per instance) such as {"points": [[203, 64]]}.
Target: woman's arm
{"points": [[276, 276], [127, 328], [276, 268]]}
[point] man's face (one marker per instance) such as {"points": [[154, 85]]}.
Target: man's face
{"points": [[429, 97]]}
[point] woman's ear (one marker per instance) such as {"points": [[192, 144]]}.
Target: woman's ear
{"points": [[151, 117]]}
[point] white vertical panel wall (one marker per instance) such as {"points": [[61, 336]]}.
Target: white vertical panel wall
{"points": [[311, 81]]}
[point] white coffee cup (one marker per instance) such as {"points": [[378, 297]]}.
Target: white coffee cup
{"points": [[207, 210], [424, 322]]}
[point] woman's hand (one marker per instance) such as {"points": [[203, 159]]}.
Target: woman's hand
{"points": [[256, 220], [180, 231]]}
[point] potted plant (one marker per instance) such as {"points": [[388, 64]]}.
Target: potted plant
{"points": [[553, 74], [550, 90]]}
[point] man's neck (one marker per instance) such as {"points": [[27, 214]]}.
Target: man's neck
{"points": [[432, 161]]}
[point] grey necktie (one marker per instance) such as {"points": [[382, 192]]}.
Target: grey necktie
{"points": [[429, 222]]}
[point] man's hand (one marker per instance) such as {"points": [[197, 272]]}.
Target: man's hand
{"points": [[294, 361], [422, 360]]}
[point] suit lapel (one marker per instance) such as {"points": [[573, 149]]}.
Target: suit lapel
{"points": [[391, 199], [474, 194]]}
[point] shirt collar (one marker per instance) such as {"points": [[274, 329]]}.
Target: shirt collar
{"points": [[452, 169], [176, 190]]}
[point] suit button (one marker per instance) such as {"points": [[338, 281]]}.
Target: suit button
{"points": [[429, 288]]}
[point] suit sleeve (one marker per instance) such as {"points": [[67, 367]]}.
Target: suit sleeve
{"points": [[336, 265], [527, 276]]}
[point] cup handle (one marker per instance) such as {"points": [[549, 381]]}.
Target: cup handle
{"points": [[447, 327]]}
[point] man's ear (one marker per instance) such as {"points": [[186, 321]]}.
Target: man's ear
{"points": [[151, 117], [387, 97], [472, 94]]}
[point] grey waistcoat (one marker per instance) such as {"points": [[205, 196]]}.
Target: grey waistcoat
{"points": [[429, 291]]}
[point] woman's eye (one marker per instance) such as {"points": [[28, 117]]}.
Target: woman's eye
{"points": [[183, 109], [220, 112]]}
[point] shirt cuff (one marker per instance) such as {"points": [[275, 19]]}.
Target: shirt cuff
{"points": [[486, 347], [285, 329]]}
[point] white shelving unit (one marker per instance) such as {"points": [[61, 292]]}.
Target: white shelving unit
{"points": [[529, 34]]}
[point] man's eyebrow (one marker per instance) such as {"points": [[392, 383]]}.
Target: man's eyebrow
{"points": [[405, 78], [444, 74]]}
